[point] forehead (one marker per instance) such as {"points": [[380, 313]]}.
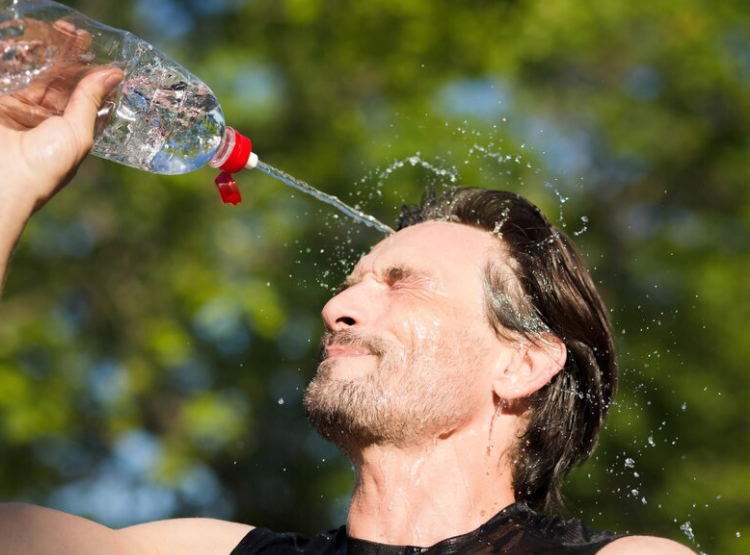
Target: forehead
{"points": [[442, 249]]}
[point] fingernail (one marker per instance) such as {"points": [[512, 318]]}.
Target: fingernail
{"points": [[112, 81]]}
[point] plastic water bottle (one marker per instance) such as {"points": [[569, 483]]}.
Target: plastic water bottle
{"points": [[161, 119]]}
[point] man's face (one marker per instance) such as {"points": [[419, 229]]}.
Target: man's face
{"points": [[409, 350]]}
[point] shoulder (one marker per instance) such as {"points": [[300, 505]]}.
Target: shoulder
{"points": [[645, 545], [188, 536]]}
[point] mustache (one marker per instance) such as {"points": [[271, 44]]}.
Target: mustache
{"points": [[349, 338]]}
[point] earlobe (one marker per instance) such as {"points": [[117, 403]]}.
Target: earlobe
{"points": [[532, 367]]}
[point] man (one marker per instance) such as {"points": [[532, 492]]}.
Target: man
{"points": [[468, 365]]}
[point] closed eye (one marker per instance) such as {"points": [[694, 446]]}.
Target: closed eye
{"points": [[402, 276], [394, 277]]}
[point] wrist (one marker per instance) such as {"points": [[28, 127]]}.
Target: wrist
{"points": [[15, 211], [16, 206]]}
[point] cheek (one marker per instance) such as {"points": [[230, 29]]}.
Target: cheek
{"points": [[425, 336]]}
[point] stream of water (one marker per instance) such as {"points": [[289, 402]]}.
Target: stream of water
{"points": [[325, 197]]}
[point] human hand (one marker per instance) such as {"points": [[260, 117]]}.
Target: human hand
{"points": [[36, 162], [45, 132], [58, 56], [46, 127]]}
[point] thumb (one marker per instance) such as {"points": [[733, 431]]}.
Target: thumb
{"points": [[88, 97]]}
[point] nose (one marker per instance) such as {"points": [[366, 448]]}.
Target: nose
{"points": [[345, 310]]}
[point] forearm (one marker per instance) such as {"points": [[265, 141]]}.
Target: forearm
{"points": [[31, 530], [14, 213]]}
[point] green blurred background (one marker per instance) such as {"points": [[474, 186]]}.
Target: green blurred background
{"points": [[154, 343]]}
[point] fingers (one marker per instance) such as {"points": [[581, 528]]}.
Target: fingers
{"points": [[80, 39], [83, 40], [18, 113], [88, 97], [65, 27]]}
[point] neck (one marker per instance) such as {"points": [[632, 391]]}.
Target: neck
{"points": [[422, 495]]}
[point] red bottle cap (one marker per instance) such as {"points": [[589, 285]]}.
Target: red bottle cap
{"points": [[240, 153], [232, 157], [230, 193]]}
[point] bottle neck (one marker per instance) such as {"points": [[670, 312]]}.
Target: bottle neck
{"points": [[234, 153]]}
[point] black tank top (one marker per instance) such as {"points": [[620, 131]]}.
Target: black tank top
{"points": [[516, 530]]}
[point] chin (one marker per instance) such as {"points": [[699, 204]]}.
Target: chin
{"points": [[345, 368]]}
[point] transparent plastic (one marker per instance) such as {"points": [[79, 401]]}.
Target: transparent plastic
{"points": [[161, 119]]}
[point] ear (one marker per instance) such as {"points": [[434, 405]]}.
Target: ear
{"points": [[531, 367]]}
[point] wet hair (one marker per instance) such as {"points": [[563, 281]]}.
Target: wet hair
{"points": [[551, 292]]}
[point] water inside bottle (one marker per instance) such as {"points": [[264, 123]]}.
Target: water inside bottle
{"points": [[21, 60], [324, 197], [163, 119], [166, 120]]}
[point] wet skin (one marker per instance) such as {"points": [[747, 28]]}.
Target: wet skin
{"points": [[416, 291]]}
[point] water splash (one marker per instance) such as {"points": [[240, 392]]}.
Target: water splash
{"points": [[499, 156], [584, 229], [325, 197], [561, 199], [417, 160], [687, 529]]}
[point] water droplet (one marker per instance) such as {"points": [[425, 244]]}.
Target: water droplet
{"points": [[629, 463], [688, 531], [14, 28], [281, 400]]}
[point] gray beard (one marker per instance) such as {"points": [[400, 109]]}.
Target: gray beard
{"points": [[353, 414], [399, 403]]}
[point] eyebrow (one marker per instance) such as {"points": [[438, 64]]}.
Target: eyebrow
{"points": [[391, 275]]}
